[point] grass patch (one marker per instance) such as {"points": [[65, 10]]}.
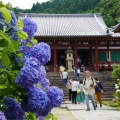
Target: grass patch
{"points": [[115, 105]]}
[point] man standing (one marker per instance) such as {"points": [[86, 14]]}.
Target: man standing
{"points": [[89, 90], [64, 77], [74, 90]]}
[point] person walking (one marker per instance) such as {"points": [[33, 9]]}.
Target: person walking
{"points": [[98, 92], [69, 87], [74, 90], [89, 90], [80, 97], [77, 72], [64, 77], [61, 70]]}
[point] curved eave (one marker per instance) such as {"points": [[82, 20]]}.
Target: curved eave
{"points": [[74, 36]]}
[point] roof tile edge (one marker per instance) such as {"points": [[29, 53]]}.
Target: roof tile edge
{"points": [[59, 15]]}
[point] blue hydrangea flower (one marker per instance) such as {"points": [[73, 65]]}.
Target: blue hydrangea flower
{"points": [[44, 83], [1, 17], [30, 27], [29, 76], [42, 52], [14, 110], [1, 64], [24, 49], [2, 116], [41, 73], [24, 82], [34, 62], [30, 72], [9, 102], [46, 110], [37, 98], [13, 34], [40, 118], [14, 19], [55, 95]]}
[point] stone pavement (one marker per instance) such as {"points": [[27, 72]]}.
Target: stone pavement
{"points": [[63, 114], [70, 111], [102, 113]]}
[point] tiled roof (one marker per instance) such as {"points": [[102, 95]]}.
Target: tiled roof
{"points": [[115, 34], [68, 24], [115, 27]]}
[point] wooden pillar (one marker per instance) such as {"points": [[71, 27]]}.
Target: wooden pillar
{"points": [[90, 56], [75, 55], [96, 58], [55, 59], [108, 53]]}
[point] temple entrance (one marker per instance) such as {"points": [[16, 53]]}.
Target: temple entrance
{"points": [[83, 55], [61, 58]]}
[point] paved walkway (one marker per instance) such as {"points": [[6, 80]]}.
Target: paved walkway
{"points": [[78, 112], [63, 114]]}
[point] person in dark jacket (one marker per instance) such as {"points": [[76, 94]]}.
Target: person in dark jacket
{"points": [[98, 92]]}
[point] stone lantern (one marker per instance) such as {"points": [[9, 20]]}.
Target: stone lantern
{"points": [[69, 59]]}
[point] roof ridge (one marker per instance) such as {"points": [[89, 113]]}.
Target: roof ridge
{"points": [[101, 25], [61, 15]]}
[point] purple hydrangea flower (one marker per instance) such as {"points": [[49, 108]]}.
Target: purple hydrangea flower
{"points": [[42, 52], [44, 83], [14, 110], [13, 20], [1, 64], [55, 95], [29, 76], [40, 118], [30, 72], [46, 110], [9, 102], [13, 34], [24, 49], [37, 98], [2, 116], [30, 27], [34, 62], [42, 73], [24, 82]]}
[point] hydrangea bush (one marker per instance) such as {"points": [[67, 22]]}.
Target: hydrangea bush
{"points": [[116, 74], [27, 91]]}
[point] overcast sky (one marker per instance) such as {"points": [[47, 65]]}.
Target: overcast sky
{"points": [[24, 4]]}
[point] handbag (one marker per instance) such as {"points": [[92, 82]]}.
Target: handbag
{"points": [[100, 89], [78, 91]]}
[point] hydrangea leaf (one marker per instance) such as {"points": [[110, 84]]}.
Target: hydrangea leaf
{"points": [[34, 41], [6, 15], [2, 80], [5, 60], [12, 44], [20, 24], [22, 34], [2, 48], [30, 116]]}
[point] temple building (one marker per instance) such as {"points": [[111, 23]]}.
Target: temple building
{"points": [[91, 40]]}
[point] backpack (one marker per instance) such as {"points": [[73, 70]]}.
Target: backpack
{"points": [[85, 80], [78, 71]]}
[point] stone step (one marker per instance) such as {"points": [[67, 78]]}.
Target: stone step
{"points": [[105, 78]]}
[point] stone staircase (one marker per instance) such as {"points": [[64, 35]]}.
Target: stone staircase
{"points": [[105, 77]]}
